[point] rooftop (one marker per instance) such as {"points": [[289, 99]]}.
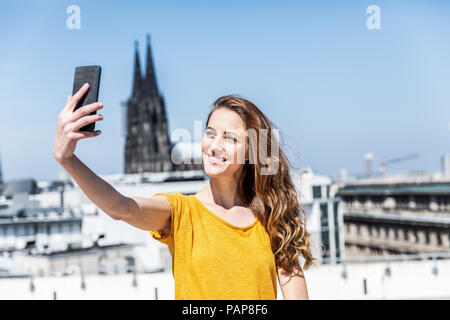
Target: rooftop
{"points": [[437, 188]]}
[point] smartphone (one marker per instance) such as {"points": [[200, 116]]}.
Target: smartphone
{"points": [[91, 75]]}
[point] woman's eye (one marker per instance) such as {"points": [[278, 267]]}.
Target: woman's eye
{"points": [[231, 139]]}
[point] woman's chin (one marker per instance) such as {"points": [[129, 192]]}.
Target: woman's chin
{"points": [[214, 170]]}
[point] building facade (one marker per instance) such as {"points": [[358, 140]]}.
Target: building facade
{"points": [[396, 217], [26, 225]]}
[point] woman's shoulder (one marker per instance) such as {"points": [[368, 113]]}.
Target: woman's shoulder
{"points": [[177, 199], [173, 195]]}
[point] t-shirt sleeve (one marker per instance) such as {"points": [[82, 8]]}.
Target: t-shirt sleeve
{"points": [[176, 208]]}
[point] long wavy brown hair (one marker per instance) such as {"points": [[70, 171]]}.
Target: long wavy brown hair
{"points": [[272, 197]]}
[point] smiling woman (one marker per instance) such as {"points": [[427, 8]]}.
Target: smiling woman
{"points": [[245, 227]]}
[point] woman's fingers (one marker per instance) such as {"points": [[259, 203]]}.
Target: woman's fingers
{"points": [[85, 110], [85, 121], [86, 134], [73, 100]]}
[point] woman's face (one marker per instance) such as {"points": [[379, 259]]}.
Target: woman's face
{"points": [[224, 143]]}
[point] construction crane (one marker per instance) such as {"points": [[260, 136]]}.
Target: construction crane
{"points": [[383, 164]]}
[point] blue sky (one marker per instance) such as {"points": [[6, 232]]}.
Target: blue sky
{"points": [[334, 88]]}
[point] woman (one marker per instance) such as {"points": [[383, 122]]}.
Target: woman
{"points": [[232, 238]]}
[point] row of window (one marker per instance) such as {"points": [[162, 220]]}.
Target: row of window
{"points": [[419, 202], [408, 234], [30, 229]]}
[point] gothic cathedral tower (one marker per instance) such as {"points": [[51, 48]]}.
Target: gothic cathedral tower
{"points": [[148, 147]]}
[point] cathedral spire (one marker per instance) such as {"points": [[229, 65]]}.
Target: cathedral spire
{"points": [[150, 78], [137, 80]]}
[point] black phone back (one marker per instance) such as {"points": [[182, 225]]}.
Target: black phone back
{"points": [[91, 75]]}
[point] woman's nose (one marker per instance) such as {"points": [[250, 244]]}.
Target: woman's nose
{"points": [[217, 145]]}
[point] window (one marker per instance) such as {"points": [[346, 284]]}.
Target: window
{"points": [[325, 243], [348, 200], [20, 230], [336, 215], [130, 264], [29, 230], [317, 192], [442, 202], [402, 201], [10, 230], [42, 228], [54, 228], [324, 215], [387, 231], [337, 244], [416, 237], [328, 192], [376, 200], [66, 227], [324, 229], [422, 202]]}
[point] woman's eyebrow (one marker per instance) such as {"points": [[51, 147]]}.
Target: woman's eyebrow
{"points": [[233, 133], [226, 131]]}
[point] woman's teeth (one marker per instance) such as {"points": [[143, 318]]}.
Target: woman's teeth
{"points": [[215, 160]]}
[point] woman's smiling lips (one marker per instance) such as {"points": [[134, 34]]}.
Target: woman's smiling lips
{"points": [[215, 160]]}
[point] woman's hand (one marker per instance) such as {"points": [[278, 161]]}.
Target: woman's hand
{"points": [[70, 122]]}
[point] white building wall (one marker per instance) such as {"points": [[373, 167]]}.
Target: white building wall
{"points": [[304, 181]]}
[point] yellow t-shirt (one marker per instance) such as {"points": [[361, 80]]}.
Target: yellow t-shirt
{"points": [[215, 260]]}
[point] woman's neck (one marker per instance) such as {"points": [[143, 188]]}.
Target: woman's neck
{"points": [[222, 192]]}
